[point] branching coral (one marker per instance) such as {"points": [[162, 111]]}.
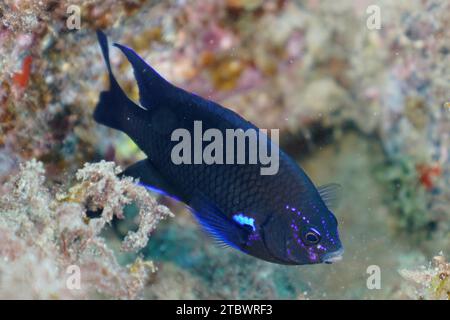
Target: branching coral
{"points": [[430, 283], [42, 236]]}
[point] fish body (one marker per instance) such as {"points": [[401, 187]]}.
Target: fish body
{"points": [[282, 218]]}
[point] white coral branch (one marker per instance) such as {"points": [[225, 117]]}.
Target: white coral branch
{"points": [[41, 234]]}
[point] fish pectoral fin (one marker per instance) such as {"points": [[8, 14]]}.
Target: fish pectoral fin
{"points": [[150, 178], [331, 194], [222, 229]]}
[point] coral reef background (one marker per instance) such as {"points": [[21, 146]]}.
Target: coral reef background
{"points": [[369, 109]]}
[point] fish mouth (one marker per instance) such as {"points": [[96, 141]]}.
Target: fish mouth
{"points": [[333, 256]]}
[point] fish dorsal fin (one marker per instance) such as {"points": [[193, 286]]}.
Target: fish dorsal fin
{"points": [[225, 231], [331, 194], [150, 178], [153, 88]]}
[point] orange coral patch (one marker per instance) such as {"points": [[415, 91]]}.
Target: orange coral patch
{"points": [[426, 174], [21, 79]]}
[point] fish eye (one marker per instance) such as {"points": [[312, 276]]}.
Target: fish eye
{"points": [[312, 236]]}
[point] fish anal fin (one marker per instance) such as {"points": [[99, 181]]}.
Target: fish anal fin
{"points": [[331, 194], [150, 178]]}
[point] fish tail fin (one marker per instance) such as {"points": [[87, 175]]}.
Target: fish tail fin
{"points": [[103, 114], [113, 107], [154, 90]]}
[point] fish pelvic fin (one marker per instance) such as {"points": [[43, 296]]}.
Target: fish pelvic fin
{"points": [[154, 90], [226, 232], [114, 108], [151, 178]]}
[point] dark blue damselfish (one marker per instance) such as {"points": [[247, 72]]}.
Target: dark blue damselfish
{"points": [[280, 218]]}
